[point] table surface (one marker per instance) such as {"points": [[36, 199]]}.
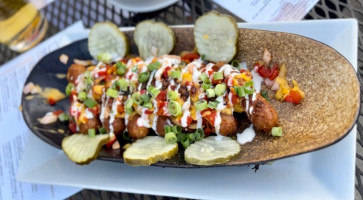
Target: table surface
{"points": [[61, 14]]}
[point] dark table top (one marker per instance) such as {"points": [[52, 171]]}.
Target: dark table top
{"points": [[61, 14]]}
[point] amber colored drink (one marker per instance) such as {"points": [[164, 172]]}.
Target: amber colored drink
{"points": [[22, 26]]}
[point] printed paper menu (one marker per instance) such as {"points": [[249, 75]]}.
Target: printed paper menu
{"points": [[268, 10]]}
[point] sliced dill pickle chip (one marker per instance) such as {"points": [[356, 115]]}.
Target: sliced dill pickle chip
{"points": [[210, 151], [153, 39], [149, 150], [106, 42], [82, 149], [216, 36]]}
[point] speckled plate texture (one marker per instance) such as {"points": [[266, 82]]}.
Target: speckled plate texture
{"points": [[325, 116]]}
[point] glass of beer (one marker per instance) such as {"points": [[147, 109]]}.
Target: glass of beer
{"points": [[22, 26]]}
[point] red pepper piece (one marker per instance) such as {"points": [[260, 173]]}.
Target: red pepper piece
{"points": [[293, 97]]}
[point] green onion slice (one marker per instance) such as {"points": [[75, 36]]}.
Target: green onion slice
{"points": [[82, 96], [264, 94], [120, 68], [154, 65], [218, 76], [145, 98], [122, 84], [210, 93], [191, 137], [201, 105], [154, 92], [176, 74], [220, 89], [69, 88], [104, 57], [63, 117], [136, 97], [185, 142], [128, 103], [135, 68], [248, 87], [240, 91], [176, 129], [102, 130], [148, 105], [173, 95], [144, 76], [90, 103], [112, 92], [236, 64], [213, 104], [170, 138], [129, 110], [91, 132], [167, 128], [206, 86], [174, 108], [204, 78], [276, 131]]}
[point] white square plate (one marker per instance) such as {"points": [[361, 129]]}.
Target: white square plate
{"points": [[323, 174]]}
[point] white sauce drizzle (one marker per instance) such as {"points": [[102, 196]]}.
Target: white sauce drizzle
{"points": [[247, 135], [186, 112], [89, 114]]}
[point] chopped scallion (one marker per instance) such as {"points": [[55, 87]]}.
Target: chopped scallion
{"points": [[63, 117], [176, 129], [201, 105], [91, 132], [220, 89], [148, 105], [104, 57], [69, 88], [90, 103], [174, 108], [136, 97], [82, 96], [102, 130], [204, 78], [191, 137], [144, 76], [205, 86], [276, 131], [135, 68], [218, 76], [122, 84], [176, 74], [154, 65], [173, 95], [236, 64], [145, 98], [128, 103], [240, 91], [264, 94], [170, 138], [213, 104], [210, 93], [120, 68], [154, 92], [112, 92], [167, 129], [185, 142]]}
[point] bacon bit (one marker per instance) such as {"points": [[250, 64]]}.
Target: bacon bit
{"points": [[189, 120], [189, 57], [120, 109], [63, 58]]}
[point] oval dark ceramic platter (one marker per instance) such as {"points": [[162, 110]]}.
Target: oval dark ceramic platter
{"points": [[325, 116]]}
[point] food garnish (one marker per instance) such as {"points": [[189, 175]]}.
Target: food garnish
{"points": [[83, 149], [149, 150], [153, 39], [216, 36], [211, 151], [106, 42]]}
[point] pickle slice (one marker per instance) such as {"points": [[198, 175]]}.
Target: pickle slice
{"points": [[216, 36], [210, 151], [149, 150], [106, 38], [82, 149], [153, 39]]}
